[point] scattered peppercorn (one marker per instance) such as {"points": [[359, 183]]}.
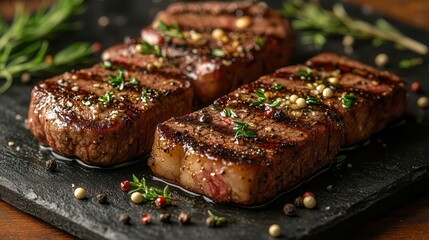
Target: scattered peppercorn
{"points": [[381, 60], [210, 222], [80, 193], [137, 197], [101, 198], [124, 218], [146, 219], [51, 165], [308, 194], [165, 217], [309, 202], [298, 202], [289, 209], [416, 86], [184, 218], [275, 230], [125, 185], [423, 102], [161, 202]]}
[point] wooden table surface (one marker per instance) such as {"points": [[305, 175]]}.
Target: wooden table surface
{"points": [[408, 222]]}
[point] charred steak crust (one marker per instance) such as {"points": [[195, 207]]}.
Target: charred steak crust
{"points": [[205, 151], [81, 114], [217, 63]]}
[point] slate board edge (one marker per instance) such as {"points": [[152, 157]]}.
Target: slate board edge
{"points": [[400, 190]]}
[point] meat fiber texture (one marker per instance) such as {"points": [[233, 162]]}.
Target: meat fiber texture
{"points": [[219, 46], [262, 139]]}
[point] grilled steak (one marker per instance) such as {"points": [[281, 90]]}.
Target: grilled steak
{"points": [[220, 46], [106, 116], [269, 135]]}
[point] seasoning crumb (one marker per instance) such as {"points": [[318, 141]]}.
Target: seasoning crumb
{"points": [[18, 117], [329, 187], [25, 77], [101, 198], [328, 208], [124, 218], [210, 222], [349, 165], [289, 209], [184, 218], [165, 217], [51, 165], [11, 143]]}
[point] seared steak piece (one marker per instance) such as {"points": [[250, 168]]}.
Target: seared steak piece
{"points": [[106, 116], [220, 46], [269, 135]]}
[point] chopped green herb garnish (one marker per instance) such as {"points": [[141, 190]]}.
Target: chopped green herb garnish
{"points": [[308, 72], [275, 103], [149, 49], [348, 100], [313, 100], [173, 31], [277, 86], [218, 52], [228, 113], [107, 98], [409, 63], [260, 41], [241, 130], [218, 221], [133, 82], [149, 193], [217, 108], [87, 102], [107, 65], [117, 81], [145, 94], [261, 97]]}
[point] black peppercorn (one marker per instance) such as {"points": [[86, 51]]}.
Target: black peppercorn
{"points": [[298, 202], [124, 218], [210, 222], [51, 165], [165, 217], [289, 209], [205, 118], [184, 218], [279, 115], [101, 198]]}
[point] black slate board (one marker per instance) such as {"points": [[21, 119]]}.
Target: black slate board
{"points": [[381, 174]]}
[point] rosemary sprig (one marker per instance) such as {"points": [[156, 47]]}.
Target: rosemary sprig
{"points": [[24, 44], [149, 193], [409, 63], [173, 31], [320, 23]]}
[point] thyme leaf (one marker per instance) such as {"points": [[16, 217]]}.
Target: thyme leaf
{"points": [[409, 63], [218, 221], [106, 98], [348, 100], [313, 101], [278, 86], [261, 97], [241, 130], [228, 113]]}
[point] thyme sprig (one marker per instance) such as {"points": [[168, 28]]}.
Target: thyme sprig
{"points": [[261, 97], [24, 43], [149, 193], [319, 23], [218, 221]]}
